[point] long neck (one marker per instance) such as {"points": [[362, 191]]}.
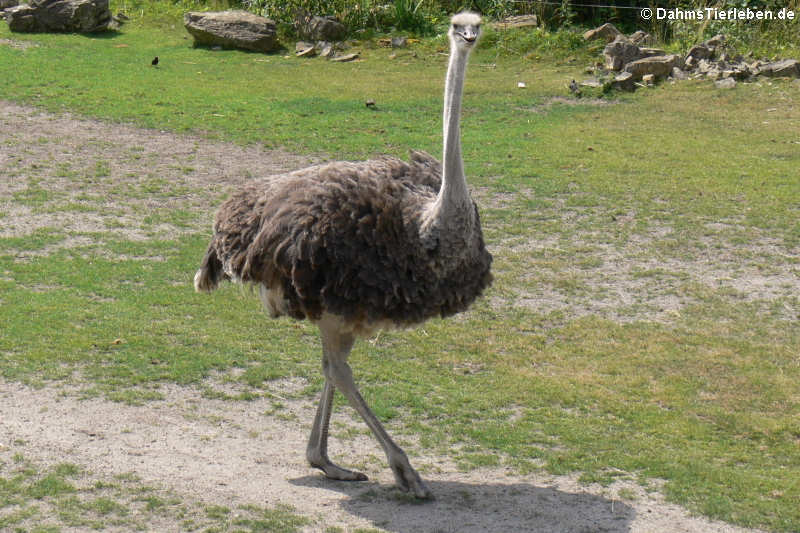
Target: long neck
{"points": [[454, 186]]}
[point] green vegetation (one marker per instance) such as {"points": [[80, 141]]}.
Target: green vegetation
{"points": [[621, 334], [423, 16]]}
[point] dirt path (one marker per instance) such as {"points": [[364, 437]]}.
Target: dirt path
{"points": [[234, 452]]}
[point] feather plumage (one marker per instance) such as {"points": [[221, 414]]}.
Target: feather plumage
{"points": [[344, 238]]}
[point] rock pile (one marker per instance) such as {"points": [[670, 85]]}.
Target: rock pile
{"points": [[324, 49], [627, 65], [321, 48], [244, 30]]}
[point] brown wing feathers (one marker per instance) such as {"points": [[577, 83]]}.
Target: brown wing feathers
{"points": [[341, 238]]}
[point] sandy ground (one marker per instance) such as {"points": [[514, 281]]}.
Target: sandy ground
{"points": [[233, 453]]}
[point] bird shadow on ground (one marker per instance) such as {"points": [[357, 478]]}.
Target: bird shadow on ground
{"points": [[479, 507]]}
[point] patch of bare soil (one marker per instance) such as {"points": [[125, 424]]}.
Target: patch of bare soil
{"points": [[110, 177], [561, 100], [19, 45], [234, 452], [626, 268]]}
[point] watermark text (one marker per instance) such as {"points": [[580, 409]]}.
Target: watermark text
{"points": [[715, 13]]}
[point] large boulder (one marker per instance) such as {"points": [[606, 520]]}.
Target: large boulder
{"points": [[783, 68], [658, 66], [232, 29], [78, 16], [316, 28]]}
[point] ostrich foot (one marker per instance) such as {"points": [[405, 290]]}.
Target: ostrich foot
{"points": [[334, 471], [407, 478]]}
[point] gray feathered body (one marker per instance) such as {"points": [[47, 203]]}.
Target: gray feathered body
{"points": [[350, 239]]}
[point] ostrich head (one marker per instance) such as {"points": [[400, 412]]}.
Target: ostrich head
{"points": [[465, 28]]}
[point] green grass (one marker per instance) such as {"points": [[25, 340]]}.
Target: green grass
{"points": [[659, 193]]}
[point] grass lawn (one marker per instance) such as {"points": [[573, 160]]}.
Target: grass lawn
{"points": [[644, 316]]}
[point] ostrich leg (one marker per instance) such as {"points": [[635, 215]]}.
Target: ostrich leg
{"points": [[317, 451], [336, 348]]}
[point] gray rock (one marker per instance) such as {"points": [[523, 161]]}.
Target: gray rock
{"points": [[725, 83], [608, 32], [658, 66], [741, 72], [316, 28], [344, 58], [78, 16], [624, 82], [5, 4], [783, 68], [648, 79], [325, 49], [703, 66], [620, 52], [304, 49], [679, 74], [232, 29], [698, 52], [715, 42], [22, 19], [592, 82], [518, 21], [117, 20], [399, 42], [640, 37], [650, 52]]}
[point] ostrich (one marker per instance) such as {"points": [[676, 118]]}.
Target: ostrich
{"points": [[357, 247]]}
